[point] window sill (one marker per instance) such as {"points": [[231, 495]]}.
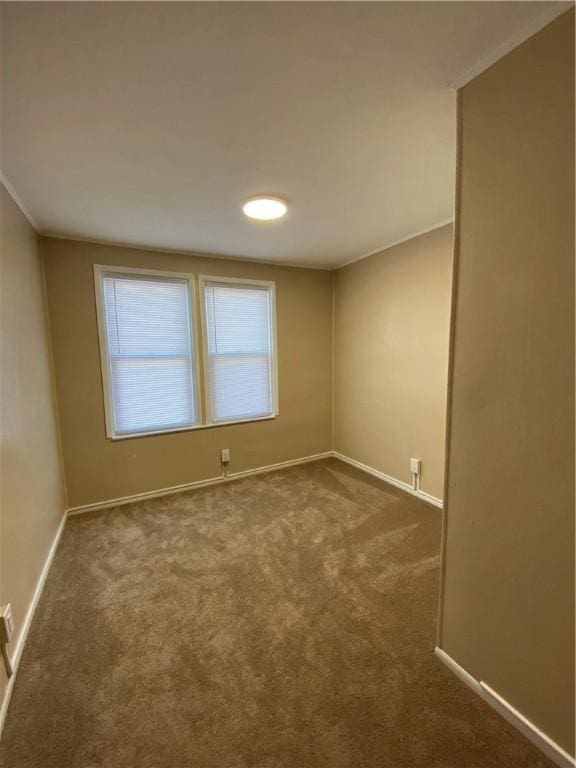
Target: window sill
{"points": [[193, 428]]}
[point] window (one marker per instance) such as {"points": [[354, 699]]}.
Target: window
{"points": [[147, 348], [147, 322], [240, 364]]}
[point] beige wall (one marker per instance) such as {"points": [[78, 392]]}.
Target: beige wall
{"points": [[508, 614], [32, 498], [391, 358], [99, 469]]}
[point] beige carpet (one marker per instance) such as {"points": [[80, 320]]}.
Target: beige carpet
{"points": [[281, 621]]}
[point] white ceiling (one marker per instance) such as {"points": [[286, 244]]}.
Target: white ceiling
{"points": [[150, 123]]}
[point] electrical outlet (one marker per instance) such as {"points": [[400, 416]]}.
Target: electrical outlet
{"points": [[415, 466], [225, 455], [6, 623]]}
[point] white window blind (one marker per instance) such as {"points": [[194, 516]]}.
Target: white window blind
{"points": [[240, 365], [149, 352]]}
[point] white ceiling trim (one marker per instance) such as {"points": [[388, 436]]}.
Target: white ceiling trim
{"points": [[180, 252], [553, 10], [396, 242], [14, 195], [248, 259]]}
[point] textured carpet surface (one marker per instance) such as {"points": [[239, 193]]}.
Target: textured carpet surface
{"points": [[279, 621]]}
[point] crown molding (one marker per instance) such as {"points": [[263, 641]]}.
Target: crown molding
{"points": [[14, 195], [396, 242], [182, 252], [551, 12]]}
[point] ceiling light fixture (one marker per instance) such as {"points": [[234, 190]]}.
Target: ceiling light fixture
{"points": [[265, 208]]}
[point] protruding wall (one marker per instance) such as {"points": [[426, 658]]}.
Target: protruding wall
{"points": [[508, 596]]}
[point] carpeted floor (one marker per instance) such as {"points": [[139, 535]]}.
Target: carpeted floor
{"points": [[282, 621]]}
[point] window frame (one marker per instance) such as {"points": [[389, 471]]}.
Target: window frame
{"points": [[198, 335], [100, 271], [271, 286]]}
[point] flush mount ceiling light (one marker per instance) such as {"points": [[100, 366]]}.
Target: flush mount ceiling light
{"points": [[265, 208]]}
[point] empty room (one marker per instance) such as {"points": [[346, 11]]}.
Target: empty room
{"points": [[287, 384]]}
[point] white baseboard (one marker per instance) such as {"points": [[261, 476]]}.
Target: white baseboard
{"points": [[22, 637], [507, 711], [459, 671], [196, 484], [388, 479], [247, 473], [280, 465]]}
